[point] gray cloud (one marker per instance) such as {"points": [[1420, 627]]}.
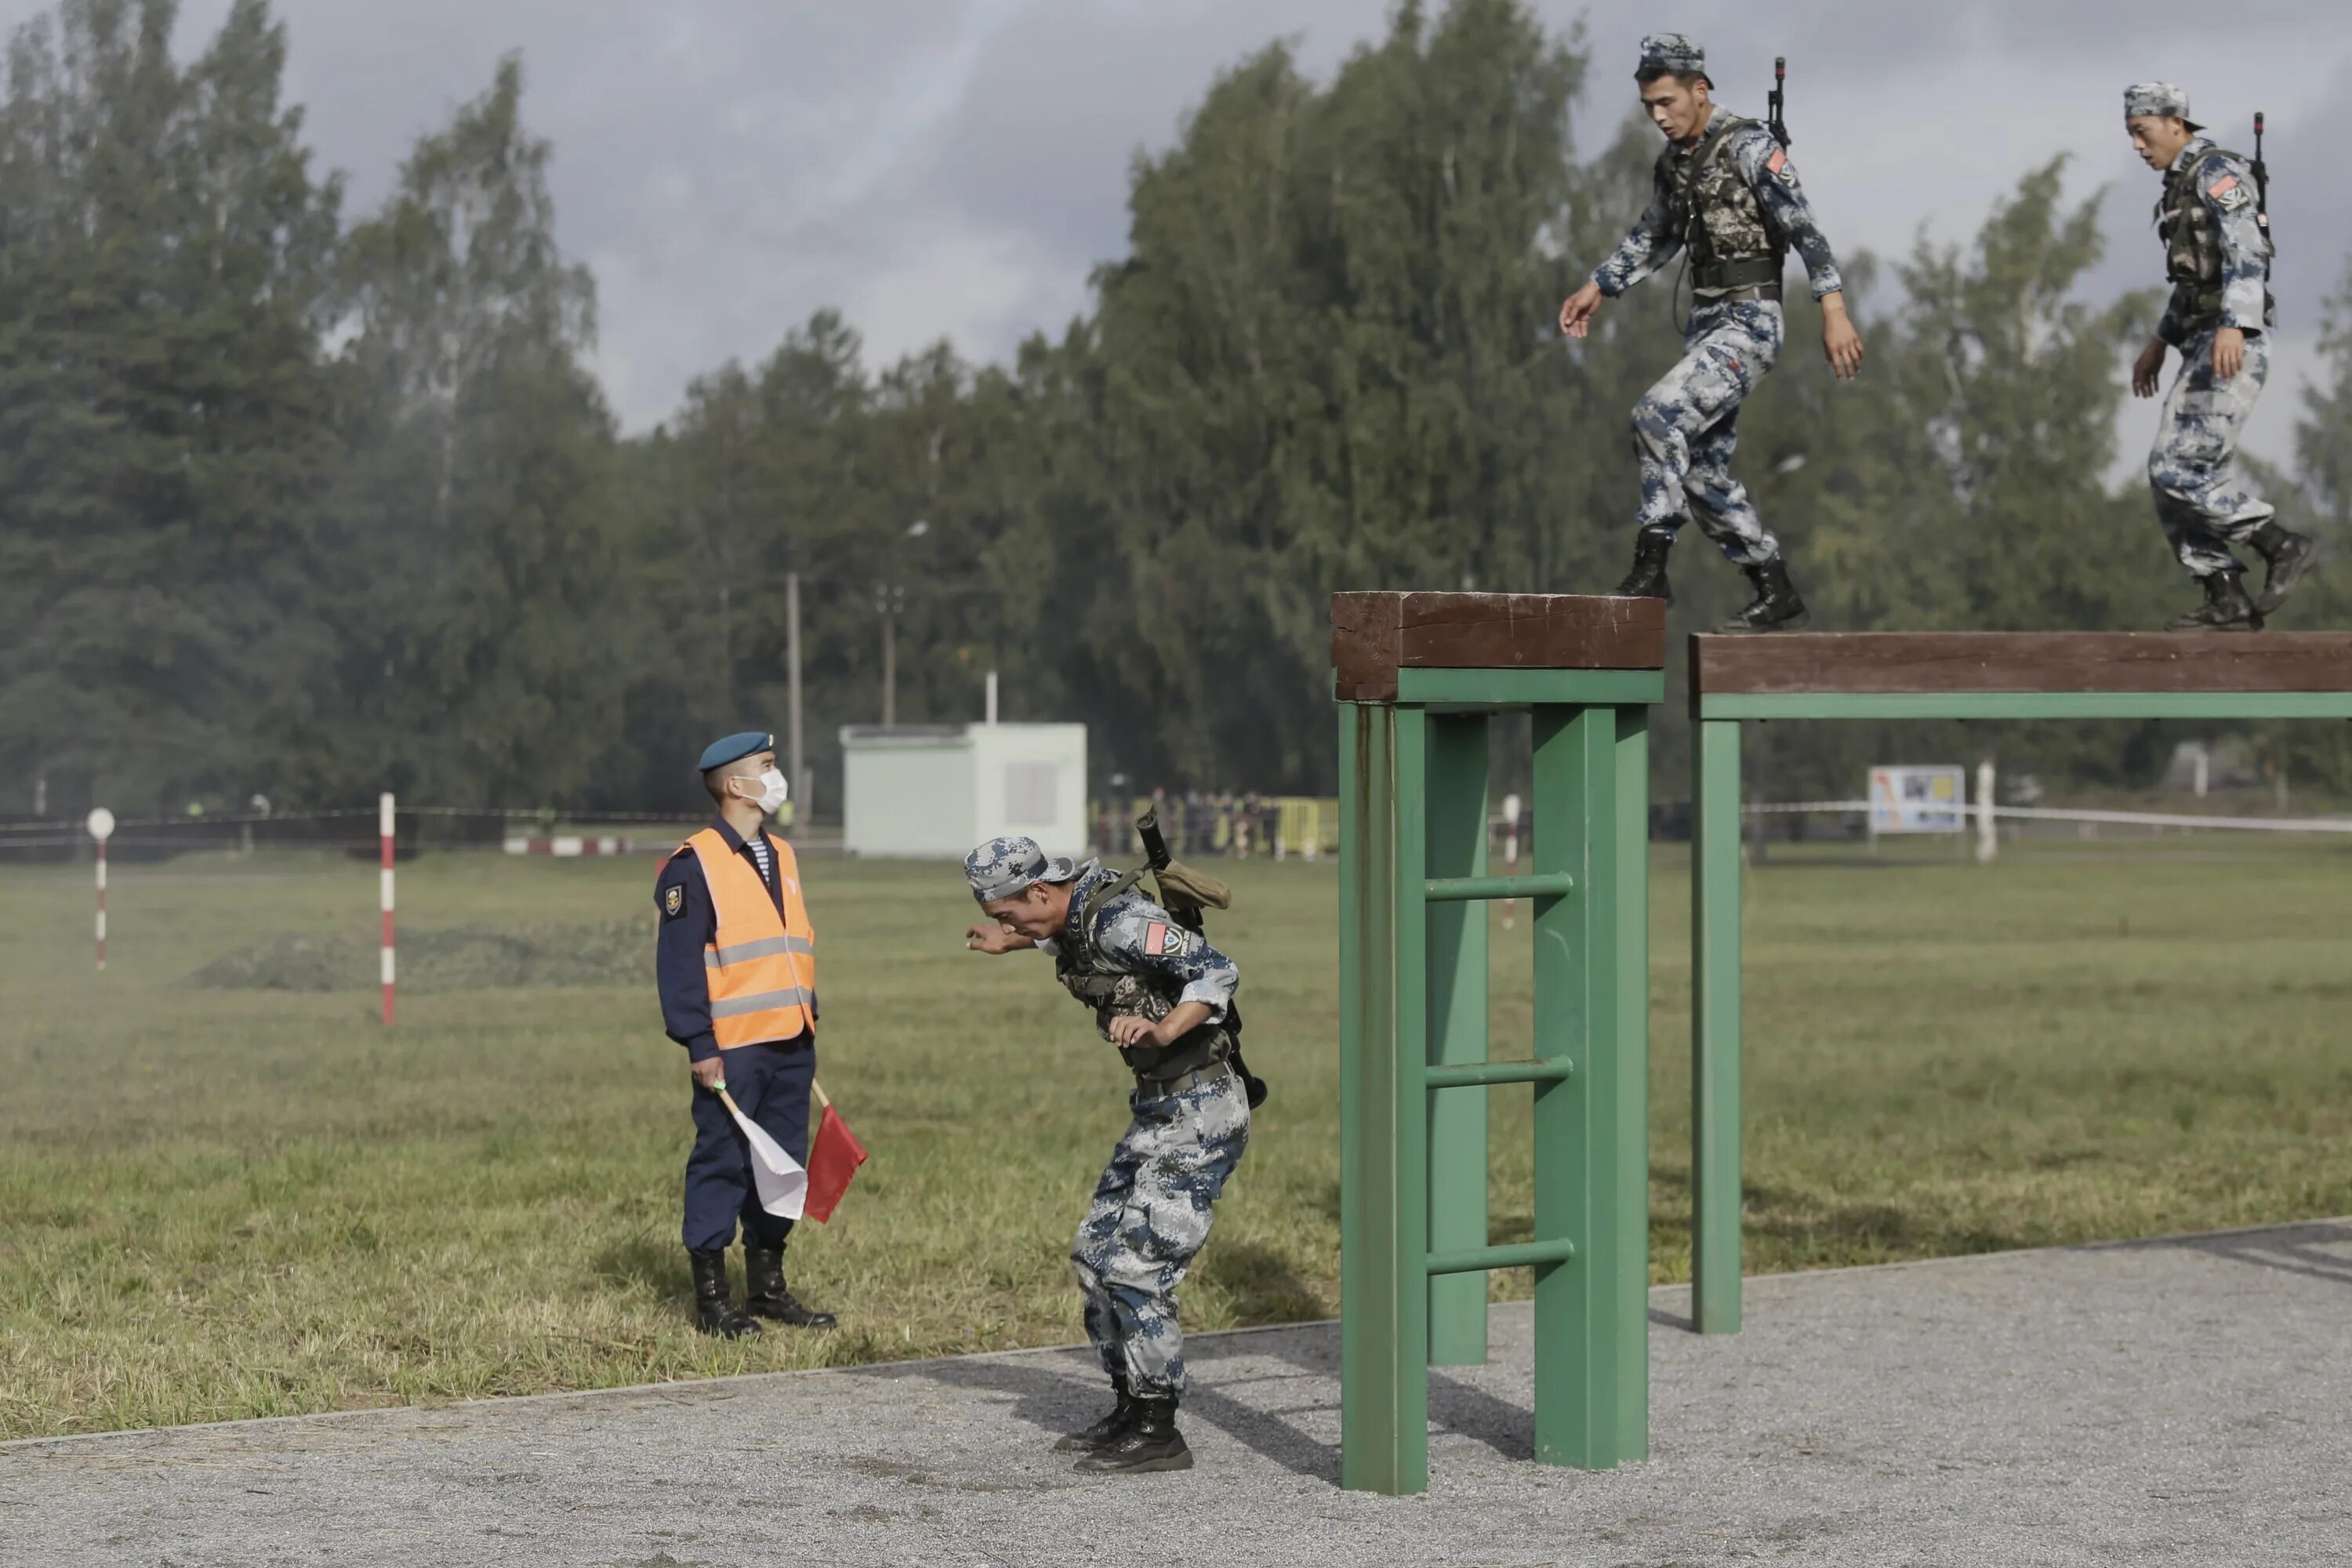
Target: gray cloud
{"points": [[955, 168]]}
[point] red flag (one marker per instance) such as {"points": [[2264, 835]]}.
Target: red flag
{"points": [[833, 1161]]}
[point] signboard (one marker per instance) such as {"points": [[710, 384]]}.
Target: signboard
{"points": [[1918, 800]]}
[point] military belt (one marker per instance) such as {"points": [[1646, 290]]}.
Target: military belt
{"points": [[1741, 291], [1754, 277], [1160, 1088]]}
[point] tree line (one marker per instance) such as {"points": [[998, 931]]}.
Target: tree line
{"points": [[308, 504]]}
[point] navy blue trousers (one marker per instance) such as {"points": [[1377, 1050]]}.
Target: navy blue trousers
{"points": [[771, 1085]]}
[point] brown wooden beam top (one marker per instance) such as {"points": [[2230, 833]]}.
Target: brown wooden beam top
{"points": [[1375, 635], [1788, 663]]}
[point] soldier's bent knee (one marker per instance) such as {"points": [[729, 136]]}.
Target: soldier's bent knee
{"points": [[1654, 425], [2172, 481]]}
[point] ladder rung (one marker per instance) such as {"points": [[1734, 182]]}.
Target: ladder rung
{"points": [[1478, 1075], [1470, 1260], [1468, 890]]}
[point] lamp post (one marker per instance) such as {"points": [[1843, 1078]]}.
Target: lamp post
{"points": [[888, 600], [890, 603]]}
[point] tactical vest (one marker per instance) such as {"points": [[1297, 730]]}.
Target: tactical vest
{"points": [[760, 965], [2192, 244], [1733, 245], [1114, 993]]}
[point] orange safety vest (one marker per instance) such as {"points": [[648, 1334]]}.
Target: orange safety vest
{"points": [[762, 967]]}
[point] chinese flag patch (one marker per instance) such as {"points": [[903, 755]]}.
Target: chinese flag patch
{"points": [[2222, 187], [1779, 161], [1155, 938]]}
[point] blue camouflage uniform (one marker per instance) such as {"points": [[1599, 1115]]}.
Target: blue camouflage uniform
{"points": [[1686, 429], [1191, 1124], [2218, 259]]}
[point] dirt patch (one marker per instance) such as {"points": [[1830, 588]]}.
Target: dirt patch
{"points": [[454, 958]]}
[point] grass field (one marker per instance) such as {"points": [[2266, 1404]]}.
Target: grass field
{"points": [[222, 1202]]}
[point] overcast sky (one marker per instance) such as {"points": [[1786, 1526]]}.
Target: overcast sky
{"points": [[955, 167]]}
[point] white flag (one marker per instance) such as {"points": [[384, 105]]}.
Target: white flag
{"points": [[782, 1182]]}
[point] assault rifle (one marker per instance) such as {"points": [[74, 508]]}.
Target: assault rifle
{"points": [[1777, 100], [1187, 895], [2262, 190]]}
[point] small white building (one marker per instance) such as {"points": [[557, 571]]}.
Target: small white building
{"points": [[933, 791]]}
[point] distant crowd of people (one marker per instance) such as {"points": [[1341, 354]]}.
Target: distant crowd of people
{"points": [[1204, 822]]}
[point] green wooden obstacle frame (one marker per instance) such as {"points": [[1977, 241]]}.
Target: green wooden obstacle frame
{"points": [[1418, 675], [1902, 675]]}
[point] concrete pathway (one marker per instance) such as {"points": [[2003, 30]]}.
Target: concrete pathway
{"points": [[2175, 1402]]}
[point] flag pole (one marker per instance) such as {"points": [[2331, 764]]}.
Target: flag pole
{"points": [[823, 1099]]}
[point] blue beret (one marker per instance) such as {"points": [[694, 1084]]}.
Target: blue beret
{"points": [[734, 749]]}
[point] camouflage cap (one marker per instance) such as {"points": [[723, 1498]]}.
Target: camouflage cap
{"points": [[2157, 98], [1673, 52], [1003, 867]]}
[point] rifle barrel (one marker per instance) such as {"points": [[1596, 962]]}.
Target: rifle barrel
{"points": [[1155, 843]]}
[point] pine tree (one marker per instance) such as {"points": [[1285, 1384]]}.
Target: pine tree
{"points": [[166, 258], [487, 590]]}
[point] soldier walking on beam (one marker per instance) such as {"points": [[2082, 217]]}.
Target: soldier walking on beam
{"points": [[2217, 254], [1726, 192]]}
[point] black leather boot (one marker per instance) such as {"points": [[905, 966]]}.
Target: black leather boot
{"points": [[2290, 554], [714, 1306], [1150, 1442], [1108, 1428], [766, 1296], [2226, 607], [1778, 606], [1647, 580]]}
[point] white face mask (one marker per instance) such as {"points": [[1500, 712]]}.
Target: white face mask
{"points": [[773, 791]]}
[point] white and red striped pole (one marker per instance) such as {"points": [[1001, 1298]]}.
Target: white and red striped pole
{"points": [[101, 829], [384, 831]]}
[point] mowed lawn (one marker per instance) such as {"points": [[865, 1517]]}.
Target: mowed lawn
{"points": [[219, 1202]]}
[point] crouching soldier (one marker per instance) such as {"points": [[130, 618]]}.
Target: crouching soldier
{"points": [[1163, 996]]}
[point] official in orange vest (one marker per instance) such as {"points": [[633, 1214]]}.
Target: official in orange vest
{"points": [[736, 961]]}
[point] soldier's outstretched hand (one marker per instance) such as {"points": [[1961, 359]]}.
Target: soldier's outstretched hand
{"points": [[1576, 315], [994, 938], [1840, 342], [2147, 369]]}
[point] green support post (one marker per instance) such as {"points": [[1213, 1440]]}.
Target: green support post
{"points": [[1631, 1172], [1457, 832], [1414, 1071], [1383, 1120], [1715, 1026], [1590, 1326], [1565, 1326]]}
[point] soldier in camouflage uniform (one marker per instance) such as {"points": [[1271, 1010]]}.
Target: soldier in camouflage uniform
{"points": [[1164, 997], [1725, 192], [2218, 257]]}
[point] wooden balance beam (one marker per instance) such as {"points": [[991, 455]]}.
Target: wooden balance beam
{"points": [[1917, 675]]}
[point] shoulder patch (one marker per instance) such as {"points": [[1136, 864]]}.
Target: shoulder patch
{"points": [[2228, 193], [673, 900], [1777, 166]]}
